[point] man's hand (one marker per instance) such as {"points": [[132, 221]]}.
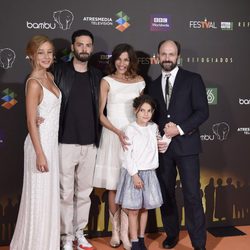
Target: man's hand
{"points": [[171, 130]]}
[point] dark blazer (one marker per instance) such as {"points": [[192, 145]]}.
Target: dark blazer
{"points": [[64, 74], [188, 108]]}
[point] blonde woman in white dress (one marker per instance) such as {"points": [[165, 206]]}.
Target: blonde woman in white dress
{"points": [[117, 92], [38, 223]]}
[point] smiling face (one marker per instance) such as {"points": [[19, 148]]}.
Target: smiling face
{"points": [[82, 48], [144, 114], [122, 63], [43, 58], [168, 56]]}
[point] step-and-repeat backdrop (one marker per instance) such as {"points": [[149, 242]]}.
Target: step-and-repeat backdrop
{"points": [[215, 43]]}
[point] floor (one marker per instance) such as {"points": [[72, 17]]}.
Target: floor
{"points": [[153, 241]]}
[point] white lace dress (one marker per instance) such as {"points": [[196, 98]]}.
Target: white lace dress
{"points": [[120, 113], [38, 223]]}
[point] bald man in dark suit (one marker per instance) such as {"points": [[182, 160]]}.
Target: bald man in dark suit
{"points": [[181, 108]]}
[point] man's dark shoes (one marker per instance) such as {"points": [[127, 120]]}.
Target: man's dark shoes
{"points": [[170, 242], [199, 248]]}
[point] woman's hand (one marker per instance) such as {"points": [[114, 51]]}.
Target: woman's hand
{"points": [[138, 183], [123, 139], [41, 163]]}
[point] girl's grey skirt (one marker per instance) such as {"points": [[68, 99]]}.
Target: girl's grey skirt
{"points": [[149, 197]]}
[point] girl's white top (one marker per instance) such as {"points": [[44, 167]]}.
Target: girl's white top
{"points": [[142, 153]]}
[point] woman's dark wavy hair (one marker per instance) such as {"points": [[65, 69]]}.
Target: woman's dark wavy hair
{"points": [[133, 61]]}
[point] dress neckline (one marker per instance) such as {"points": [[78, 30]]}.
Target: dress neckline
{"points": [[40, 82], [128, 83]]}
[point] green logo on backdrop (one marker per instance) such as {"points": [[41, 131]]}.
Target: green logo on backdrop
{"points": [[212, 96]]}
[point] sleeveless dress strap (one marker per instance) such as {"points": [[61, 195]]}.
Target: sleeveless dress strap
{"points": [[109, 80], [30, 78]]}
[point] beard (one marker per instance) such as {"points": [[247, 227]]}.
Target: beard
{"points": [[168, 65], [83, 57]]}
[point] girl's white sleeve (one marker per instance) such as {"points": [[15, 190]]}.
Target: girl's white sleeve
{"points": [[129, 161]]}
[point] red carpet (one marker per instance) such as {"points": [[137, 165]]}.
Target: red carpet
{"points": [[153, 241]]}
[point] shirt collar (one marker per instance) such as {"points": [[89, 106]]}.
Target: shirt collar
{"points": [[173, 72]]}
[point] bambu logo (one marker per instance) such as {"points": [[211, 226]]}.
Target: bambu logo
{"points": [[7, 58], [221, 130], [244, 101], [122, 21], [9, 98], [64, 18], [212, 96]]}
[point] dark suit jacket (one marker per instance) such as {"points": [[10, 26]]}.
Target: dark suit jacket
{"points": [[188, 108]]}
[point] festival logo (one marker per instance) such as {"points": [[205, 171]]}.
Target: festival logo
{"points": [[122, 21], [205, 24], [160, 22], [8, 98], [7, 58], [212, 95]]}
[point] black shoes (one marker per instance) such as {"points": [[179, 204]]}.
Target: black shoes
{"points": [[170, 242], [199, 248], [135, 245], [142, 243]]}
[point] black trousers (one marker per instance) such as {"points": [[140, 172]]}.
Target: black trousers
{"points": [[189, 171]]}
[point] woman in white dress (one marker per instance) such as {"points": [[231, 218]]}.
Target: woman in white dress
{"points": [[38, 223], [117, 92]]}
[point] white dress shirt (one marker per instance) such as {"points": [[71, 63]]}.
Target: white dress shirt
{"points": [[171, 81]]}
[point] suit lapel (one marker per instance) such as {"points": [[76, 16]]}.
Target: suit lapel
{"points": [[159, 93]]}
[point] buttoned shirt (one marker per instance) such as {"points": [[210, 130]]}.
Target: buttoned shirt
{"points": [[172, 75]]}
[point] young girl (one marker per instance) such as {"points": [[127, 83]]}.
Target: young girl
{"points": [[138, 189]]}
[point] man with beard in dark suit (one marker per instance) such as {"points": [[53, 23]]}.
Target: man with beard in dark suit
{"points": [[181, 108]]}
